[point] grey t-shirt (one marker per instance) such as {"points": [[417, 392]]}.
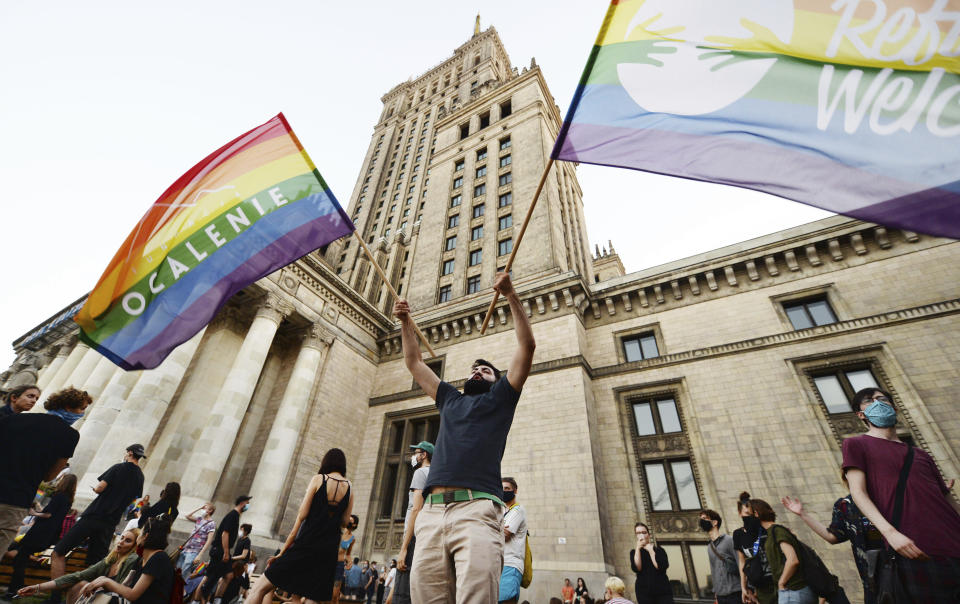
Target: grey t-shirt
{"points": [[724, 568], [416, 484]]}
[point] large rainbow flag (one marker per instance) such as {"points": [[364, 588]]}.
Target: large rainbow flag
{"points": [[256, 204], [848, 105]]}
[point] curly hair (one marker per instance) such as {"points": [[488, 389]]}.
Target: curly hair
{"points": [[68, 398]]}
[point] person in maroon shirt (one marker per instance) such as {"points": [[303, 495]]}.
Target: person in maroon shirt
{"points": [[928, 536]]}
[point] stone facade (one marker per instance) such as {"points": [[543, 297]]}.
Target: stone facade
{"points": [[653, 394]]}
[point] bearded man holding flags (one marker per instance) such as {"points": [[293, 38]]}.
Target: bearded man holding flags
{"points": [[459, 533]]}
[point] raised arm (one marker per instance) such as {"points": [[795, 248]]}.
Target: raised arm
{"points": [[904, 545], [412, 357], [796, 506], [522, 360]]}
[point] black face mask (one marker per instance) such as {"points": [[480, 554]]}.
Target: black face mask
{"points": [[508, 496], [476, 386], [705, 525], [751, 523]]}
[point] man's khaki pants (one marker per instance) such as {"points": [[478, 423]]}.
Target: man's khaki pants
{"points": [[11, 519], [459, 553]]}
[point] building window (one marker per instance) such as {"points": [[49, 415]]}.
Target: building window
{"points": [[506, 108], [505, 247], [453, 221], [443, 295], [476, 256], [464, 130], [478, 210], [506, 161], [671, 485], [656, 416], [837, 387], [473, 284], [482, 154], [458, 165], [455, 201], [481, 171], [505, 199], [476, 233], [484, 120], [506, 179], [811, 312], [505, 143], [640, 347], [479, 190], [447, 267], [451, 243], [506, 221], [458, 182]]}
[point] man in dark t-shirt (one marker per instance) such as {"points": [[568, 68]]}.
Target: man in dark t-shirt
{"points": [[117, 487], [223, 541], [25, 465], [459, 550]]}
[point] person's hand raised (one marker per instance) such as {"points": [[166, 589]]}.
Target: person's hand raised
{"points": [[401, 310], [502, 284]]}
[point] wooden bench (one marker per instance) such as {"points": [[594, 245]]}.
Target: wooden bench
{"points": [[38, 572]]}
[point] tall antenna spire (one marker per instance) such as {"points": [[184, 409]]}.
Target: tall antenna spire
{"points": [[476, 26]]}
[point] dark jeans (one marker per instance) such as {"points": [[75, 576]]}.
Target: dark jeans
{"points": [[734, 598], [371, 594], [96, 532]]}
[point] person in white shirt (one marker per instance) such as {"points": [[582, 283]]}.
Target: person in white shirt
{"points": [[514, 543]]}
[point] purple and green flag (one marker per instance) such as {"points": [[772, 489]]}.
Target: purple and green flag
{"points": [[253, 206], [852, 106]]}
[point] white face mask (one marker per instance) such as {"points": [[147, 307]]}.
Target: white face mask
{"points": [[413, 460]]}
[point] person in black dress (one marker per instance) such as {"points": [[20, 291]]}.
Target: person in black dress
{"points": [[307, 562], [650, 563], [169, 500], [153, 582], [44, 532]]}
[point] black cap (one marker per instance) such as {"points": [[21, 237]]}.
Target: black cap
{"points": [[137, 450], [242, 499]]}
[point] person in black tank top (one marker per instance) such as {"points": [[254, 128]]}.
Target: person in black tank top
{"points": [[307, 562]]}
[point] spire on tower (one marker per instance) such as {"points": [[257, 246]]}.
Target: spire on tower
{"points": [[476, 26]]}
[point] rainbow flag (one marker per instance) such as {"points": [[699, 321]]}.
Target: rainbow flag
{"points": [[848, 105], [256, 204]]}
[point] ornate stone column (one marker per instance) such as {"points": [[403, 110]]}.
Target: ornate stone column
{"points": [[80, 373], [281, 444], [95, 384], [48, 372], [212, 450], [142, 411], [56, 381], [96, 424]]}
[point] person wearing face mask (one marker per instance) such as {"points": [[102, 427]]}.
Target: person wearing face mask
{"points": [[515, 543], [749, 543], [118, 565], [926, 537], [68, 404], [223, 540], [459, 540], [723, 560], [420, 460], [115, 489], [200, 539]]}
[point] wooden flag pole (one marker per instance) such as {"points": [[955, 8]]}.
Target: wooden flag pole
{"points": [[516, 244], [376, 265]]}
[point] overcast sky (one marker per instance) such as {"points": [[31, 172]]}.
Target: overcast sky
{"points": [[105, 104]]}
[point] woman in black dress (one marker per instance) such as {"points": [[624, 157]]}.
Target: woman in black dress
{"points": [[44, 532], [650, 563], [308, 560]]}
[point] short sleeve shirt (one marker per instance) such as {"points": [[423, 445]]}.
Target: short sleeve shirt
{"points": [[124, 484], [848, 524], [199, 539], [775, 556], [514, 550], [417, 483], [229, 525], [242, 544], [472, 437], [928, 518], [25, 464], [161, 569]]}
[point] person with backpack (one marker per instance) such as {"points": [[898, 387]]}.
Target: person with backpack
{"points": [[723, 560], [782, 551], [756, 582], [514, 543]]}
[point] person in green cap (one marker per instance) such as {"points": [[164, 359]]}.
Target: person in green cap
{"points": [[420, 460]]}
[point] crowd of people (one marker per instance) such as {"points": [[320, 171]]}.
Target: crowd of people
{"points": [[465, 536]]}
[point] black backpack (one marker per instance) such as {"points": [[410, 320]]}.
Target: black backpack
{"points": [[823, 583]]}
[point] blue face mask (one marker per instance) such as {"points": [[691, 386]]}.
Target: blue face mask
{"points": [[246, 507], [65, 415], [881, 415]]}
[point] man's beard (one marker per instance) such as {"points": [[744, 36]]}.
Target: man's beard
{"points": [[476, 386]]}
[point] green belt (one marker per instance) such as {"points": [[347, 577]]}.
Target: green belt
{"points": [[461, 495]]}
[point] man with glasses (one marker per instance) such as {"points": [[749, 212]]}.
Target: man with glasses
{"points": [[927, 537], [459, 551]]}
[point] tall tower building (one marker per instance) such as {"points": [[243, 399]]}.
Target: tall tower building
{"points": [[448, 177]]}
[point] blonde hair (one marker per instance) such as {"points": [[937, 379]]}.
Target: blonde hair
{"points": [[615, 585], [114, 557]]}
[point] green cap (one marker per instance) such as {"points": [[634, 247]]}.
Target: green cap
{"points": [[423, 445]]}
